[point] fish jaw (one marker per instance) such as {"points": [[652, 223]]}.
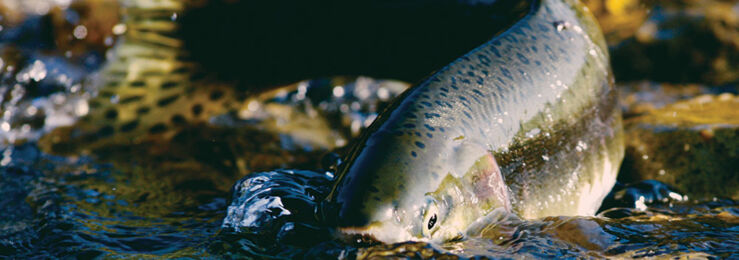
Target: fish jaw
{"points": [[386, 232]]}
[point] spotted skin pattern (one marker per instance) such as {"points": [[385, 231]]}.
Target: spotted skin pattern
{"points": [[539, 98]]}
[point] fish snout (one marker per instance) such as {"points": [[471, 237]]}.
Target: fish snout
{"points": [[348, 236], [377, 232]]}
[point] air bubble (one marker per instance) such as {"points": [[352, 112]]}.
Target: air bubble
{"points": [[80, 32], [338, 91], [119, 29], [561, 25]]}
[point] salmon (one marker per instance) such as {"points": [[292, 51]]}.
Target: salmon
{"points": [[525, 123]]}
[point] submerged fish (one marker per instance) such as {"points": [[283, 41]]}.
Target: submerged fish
{"points": [[527, 123]]}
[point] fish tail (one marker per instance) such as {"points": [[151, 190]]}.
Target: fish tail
{"points": [[149, 87]]}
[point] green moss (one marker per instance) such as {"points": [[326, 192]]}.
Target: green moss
{"points": [[692, 145]]}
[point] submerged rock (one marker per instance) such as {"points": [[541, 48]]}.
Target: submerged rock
{"points": [[690, 144]]}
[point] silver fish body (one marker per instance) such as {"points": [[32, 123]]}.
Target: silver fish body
{"points": [[527, 122]]}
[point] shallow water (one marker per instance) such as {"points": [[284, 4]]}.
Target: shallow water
{"points": [[177, 201], [77, 207]]}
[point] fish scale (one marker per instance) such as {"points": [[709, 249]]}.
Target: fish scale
{"points": [[506, 96]]}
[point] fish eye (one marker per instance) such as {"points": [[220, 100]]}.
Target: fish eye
{"points": [[431, 219], [432, 222]]}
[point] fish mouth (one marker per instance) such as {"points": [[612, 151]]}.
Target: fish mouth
{"points": [[357, 236], [374, 234]]}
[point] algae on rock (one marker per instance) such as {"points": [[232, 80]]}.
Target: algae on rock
{"points": [[691, 144]]}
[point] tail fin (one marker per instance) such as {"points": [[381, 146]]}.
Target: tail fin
{"points": [[148, 87]]}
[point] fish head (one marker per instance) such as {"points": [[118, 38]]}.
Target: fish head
{"points": [[394, 190]]}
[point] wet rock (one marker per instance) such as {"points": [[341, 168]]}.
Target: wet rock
{"points": [[74, 29], [681, 41], [85, 26], [583, 232], [48, 50], [640, 97], [690, 144], [641, 194]]}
